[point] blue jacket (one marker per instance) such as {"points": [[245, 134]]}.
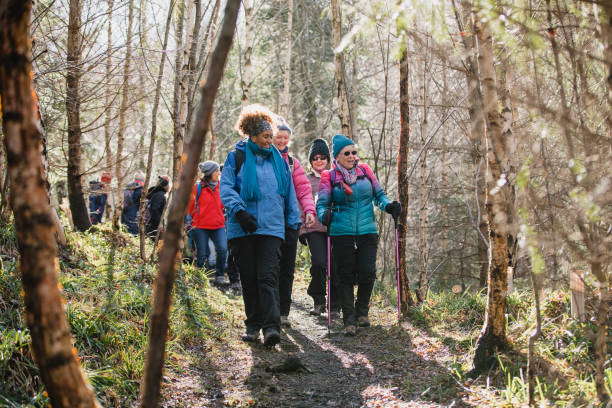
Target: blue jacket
{"points": [[273, 211], [352, 214]]}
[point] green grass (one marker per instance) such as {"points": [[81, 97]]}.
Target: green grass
{"points": [[565, 363], [108, 293]]}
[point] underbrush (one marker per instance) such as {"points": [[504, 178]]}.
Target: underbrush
{"points": [[108, 294], [565, 363]]}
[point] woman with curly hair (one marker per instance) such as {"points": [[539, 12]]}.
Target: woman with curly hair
{"points": [[257, 192]]}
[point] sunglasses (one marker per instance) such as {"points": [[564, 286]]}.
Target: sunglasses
{"points": [[354, 153], [316, 158]]}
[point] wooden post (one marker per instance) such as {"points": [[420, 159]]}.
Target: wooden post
{"points": [[577, 287]]}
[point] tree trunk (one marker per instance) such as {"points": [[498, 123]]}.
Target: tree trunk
{"points": [[122, 114], [80, 215], [339, 73], [176, 105], [423, 228], [160, 77], [190, 71], [600, 346], [54, 354], [493, 335], [108, 152], [209, 48], [402, 176], [286, 82], [173, 235], [245, 78], [477, 137]]}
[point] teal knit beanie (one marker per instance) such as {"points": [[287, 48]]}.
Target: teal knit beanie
{"points": [[339, 142]]}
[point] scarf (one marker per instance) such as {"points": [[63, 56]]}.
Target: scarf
{"points": [[211, 184], [250, 185], [349, 176]]}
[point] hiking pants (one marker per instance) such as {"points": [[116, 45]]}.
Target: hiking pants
{"points": [[355, 257], [317, 244], [219, 238], [257, 258], [231, 269], [287, 269]]}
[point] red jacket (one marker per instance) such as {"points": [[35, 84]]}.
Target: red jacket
{"points": [[208, 214]]}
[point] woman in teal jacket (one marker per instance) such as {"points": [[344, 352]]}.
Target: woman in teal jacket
{"points": [[257, 192], [346, 194]]}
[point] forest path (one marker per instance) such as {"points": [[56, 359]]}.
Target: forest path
{"points": [[382, 366]]}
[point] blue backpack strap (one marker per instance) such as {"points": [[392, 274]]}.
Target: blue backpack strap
{"points": [[198, 197]]}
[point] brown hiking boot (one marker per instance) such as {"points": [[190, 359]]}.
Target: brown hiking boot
{"points": [[350, 330], [363, 321]]}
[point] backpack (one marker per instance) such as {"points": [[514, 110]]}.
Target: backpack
{"points": [[146, 212], [128, 200], [128, 195], [239, 160]]}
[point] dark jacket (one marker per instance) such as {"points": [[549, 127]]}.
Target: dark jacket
{"points": [[156, 204], [97, 203], [130, 210]]}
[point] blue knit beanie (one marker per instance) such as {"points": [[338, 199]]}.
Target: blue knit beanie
{"points": [[339, 142]]}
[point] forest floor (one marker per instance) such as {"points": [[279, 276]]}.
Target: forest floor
{"points": [[382, 366]]}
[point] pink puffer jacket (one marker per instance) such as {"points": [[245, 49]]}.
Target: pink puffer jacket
{"points": [[301, 185], [317, 226]]}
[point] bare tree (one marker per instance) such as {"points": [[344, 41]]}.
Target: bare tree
{"points": [[406, 299], [493, 334], [59, 366], [160, 77], [80, 215], [173, 234], [122, 116]]}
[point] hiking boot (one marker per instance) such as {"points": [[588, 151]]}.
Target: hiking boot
{"points": [[317, 310], [221, 281], [236, 288], [251, 336], [350, 330], [285, 321], [363, 321], [271, 338]]}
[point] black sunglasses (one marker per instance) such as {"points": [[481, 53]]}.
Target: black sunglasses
{"points": [[354, 153]]}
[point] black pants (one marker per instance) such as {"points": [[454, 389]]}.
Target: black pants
{"points": [[231, 269], [317, 244], [257, 257], [355, 257], [287, 269]]}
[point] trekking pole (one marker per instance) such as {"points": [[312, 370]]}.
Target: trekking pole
{"points": [[397, 269], [328, 283]]}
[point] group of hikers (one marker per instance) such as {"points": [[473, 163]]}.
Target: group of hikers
{"points": [[262, 201], [155, 203]]}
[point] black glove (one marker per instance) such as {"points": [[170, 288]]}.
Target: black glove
{"points": [[394, 208], [248, 223], [303, 240], [326, 219]]}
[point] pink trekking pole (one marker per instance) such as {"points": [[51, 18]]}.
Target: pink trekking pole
{"points": [[397, 269], [328, 283]]}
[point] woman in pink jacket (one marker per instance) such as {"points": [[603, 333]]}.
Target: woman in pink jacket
{"points": [[289, 246]]}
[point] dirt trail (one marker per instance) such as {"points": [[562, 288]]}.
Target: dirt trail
{"points": [[382, 366]]}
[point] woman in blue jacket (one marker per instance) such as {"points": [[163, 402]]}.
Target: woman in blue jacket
{"points": [[258, 195], [346, 193]]}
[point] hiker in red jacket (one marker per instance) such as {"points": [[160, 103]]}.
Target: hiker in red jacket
{"points": [[303, 192], [208, 221]]}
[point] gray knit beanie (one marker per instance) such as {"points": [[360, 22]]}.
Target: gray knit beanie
{"points": [[208, 167]]}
